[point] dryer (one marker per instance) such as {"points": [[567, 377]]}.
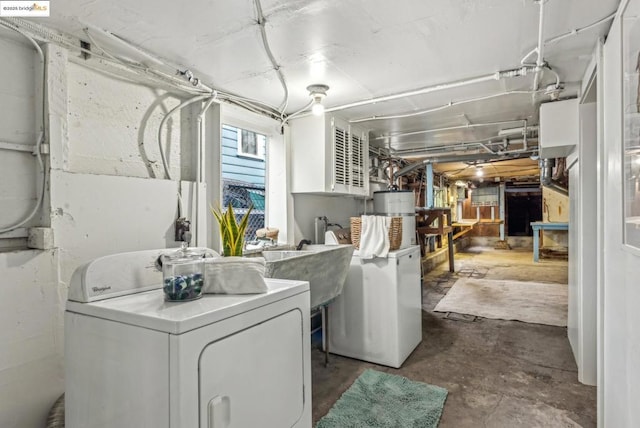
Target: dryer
{"points": [[134, 360]]}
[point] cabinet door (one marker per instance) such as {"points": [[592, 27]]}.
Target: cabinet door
{"points": [[358, 160], [254, 378], [349, 168], [340, 166]]}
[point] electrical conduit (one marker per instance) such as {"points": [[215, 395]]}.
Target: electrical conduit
{"points": [[199, 161]]}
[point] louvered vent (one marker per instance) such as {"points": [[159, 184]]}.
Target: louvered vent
{"points": [[357, 162], [342, 152]]}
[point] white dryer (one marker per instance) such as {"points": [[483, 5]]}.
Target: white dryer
{"points": [[134, 360]]}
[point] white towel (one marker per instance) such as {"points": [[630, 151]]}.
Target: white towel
{"points": [[234, 275], [374, 236]]}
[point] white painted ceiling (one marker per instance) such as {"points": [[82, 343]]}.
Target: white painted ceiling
{"points": [[363, 49]]}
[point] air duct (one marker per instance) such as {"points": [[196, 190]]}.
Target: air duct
{"points": [[484, 157]]}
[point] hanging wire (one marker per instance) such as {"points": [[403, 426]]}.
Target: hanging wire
{"points": [[261, 23], [39, 33], [41, 135]]}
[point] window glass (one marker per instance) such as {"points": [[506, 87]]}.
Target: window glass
{"points": [[631, 130], [251, 143], [243, 175]]}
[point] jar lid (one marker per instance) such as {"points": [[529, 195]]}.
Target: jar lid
{"points": [[184, 254]]}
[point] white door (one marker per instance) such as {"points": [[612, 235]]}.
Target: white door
{"points": [[261, 381]]}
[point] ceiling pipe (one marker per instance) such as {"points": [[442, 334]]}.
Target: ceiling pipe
{"points": [[411, 167], [573, 32], [464, 145], [450, 147], [540, 48], [449, 128], [442, 107], [518, 131], [516, 72], [487, 148]]}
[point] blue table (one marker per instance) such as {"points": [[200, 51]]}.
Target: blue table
{"points": [[537, 226]]}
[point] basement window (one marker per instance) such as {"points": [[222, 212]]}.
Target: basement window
{"points": [[486, 197], [251, 144]]}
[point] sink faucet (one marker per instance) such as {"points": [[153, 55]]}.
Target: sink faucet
{"points": [[301, 243]]}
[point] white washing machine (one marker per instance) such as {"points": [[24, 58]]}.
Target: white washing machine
{"points": [[134, 360], [378, 316]]}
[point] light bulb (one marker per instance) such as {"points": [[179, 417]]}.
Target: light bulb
{"points": [[317, 108], [479, 171], [317, 93]]}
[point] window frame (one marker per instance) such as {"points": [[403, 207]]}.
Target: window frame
{"points": [[261, 146]]}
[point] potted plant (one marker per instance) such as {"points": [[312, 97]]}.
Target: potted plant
{"points": [[231, 231]]}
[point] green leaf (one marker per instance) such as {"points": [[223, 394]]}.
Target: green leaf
{"points": [[231, 232]]}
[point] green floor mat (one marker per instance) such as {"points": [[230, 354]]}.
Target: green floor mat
{"points": [[378, 399]]}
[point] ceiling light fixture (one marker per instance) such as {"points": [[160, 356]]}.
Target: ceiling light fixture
{"points": [[479, 171], [317, 93]]}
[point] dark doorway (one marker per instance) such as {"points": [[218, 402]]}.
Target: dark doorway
{"points": [[522, 209]]}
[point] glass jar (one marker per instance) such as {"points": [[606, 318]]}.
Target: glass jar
{"points": [[183, 274]]}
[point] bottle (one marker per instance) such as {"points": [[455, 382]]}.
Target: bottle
{"points": [[320, 228]]}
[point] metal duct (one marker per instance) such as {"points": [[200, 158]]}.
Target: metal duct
{"points": [[485, 157], [546, 170]]}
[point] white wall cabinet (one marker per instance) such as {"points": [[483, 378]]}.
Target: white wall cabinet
{"points": [[558, 128], [329, 156]]}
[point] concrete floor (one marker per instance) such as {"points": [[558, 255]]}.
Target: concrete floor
{"points": [[498, 373]]}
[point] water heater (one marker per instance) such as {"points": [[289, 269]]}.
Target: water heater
{"points": [[398, 203]]}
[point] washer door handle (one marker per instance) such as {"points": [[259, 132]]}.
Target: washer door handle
{"points": [[219, 412]]}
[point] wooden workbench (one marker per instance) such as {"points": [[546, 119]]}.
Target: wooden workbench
{"points": [[465, 226], [425, 219]]}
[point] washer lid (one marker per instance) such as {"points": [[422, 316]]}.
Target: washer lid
{"points": [[150, 310]]}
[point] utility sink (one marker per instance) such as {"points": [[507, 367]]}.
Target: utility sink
{"points": [[324, 266], [272, 256]]}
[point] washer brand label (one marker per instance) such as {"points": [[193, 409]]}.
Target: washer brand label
{"points": [[100, 289], [24, 8]]}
